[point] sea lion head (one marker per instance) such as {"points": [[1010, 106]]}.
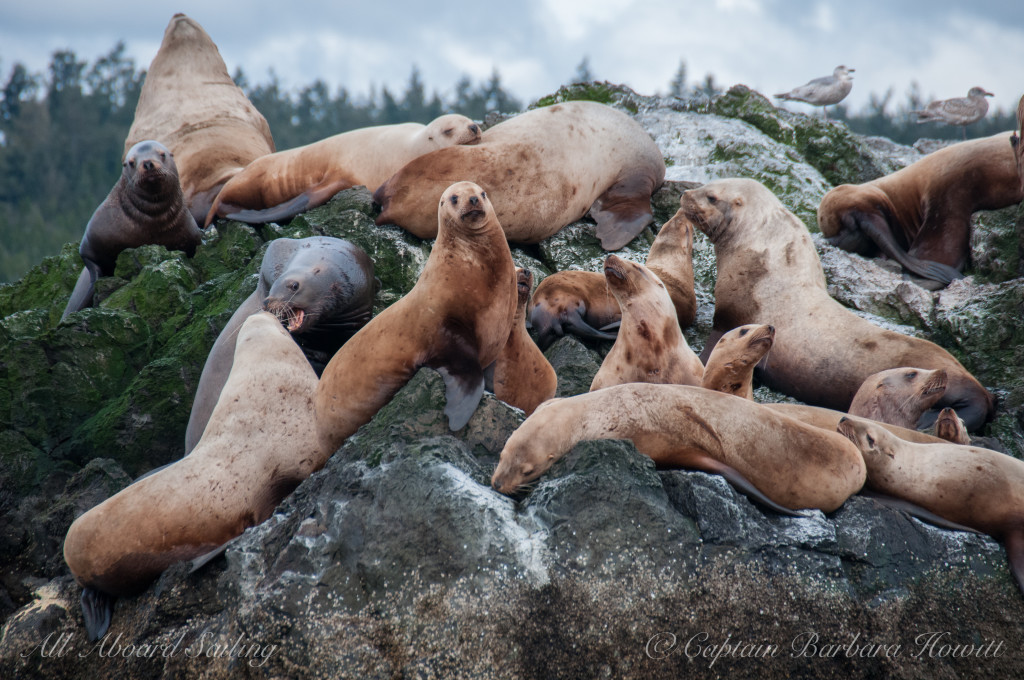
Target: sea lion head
{"points": [[626, 279], [871, 439], [325, 284], [899, 395], [524, 284], [452, 129], [530, 451], [716, 205], [730, 366], [950, 427], [149, 165], [465, 207]]}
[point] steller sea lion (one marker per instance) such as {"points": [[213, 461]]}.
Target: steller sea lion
{"points": [[949, 427], [574, 301], [730, 366], [898, 396], [769, 272], [828, 419], [145, 206], [789, 465], [973, 487], [283, 184], [543, 170], [259, 445], [671, 259], [920, 216], [650, 347], [456, 319], [191, 104], [523, 377], [321, 287]]}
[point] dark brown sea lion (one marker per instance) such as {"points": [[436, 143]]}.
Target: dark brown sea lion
{"points": [[769, 273], [191, 104], [973, 487], [920, 216], [543, 170], [259, 445], [523, 377], [456, 319], [649, 347], [283, 184], [789, 465], [730, 366], [899, 396], [321, 287], [146, 206]]}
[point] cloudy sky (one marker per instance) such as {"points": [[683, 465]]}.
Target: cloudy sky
{"points": [[770, 45]]}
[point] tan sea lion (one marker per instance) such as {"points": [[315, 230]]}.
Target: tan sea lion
{"points": [[730, 366], [899, 395], [576, 302], [523, 377], [259, 445], [1015, 143], [949, 427], [456, 319], [828, 419], [769, 273], [189, 102], [650, 347], [283, 184], [321, 287], [920, 216], [543, 169], [789, 464], [145, 206], [977, 488], [671, 259]]}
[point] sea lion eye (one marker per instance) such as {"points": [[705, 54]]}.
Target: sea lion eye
{"points": [[711, 199], [449, 131], [131, 163], [454, 199], [744, 332], [483, 194], [871, 441], [910, 375]]}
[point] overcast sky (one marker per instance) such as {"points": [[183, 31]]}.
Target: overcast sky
{"points": [[770, 45]]}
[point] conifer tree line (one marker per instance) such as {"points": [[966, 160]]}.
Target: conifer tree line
{"points": [[62, 132]]}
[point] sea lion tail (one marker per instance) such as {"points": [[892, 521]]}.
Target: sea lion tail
{"points": [[97, 609]]}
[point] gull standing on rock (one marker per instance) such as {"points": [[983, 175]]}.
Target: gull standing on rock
{"points": [[823, 91], [960, 111]]}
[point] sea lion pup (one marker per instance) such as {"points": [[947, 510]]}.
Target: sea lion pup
{"points": [[145, 206], [189, 102], [730, 367], [899, 395], [650, 347], [977, 488], [456, 320], [769, 272], [322, 288], [523, 377], [543, 170], [920, 216], [259, 445], [783, 462], [576, 302], [283, 184], [949, 427]]}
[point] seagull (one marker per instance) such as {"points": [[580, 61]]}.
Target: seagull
{"points": [[960, 111], [823, 91]]}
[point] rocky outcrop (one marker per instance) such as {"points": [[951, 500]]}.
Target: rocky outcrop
{"points": [[398, 560]]}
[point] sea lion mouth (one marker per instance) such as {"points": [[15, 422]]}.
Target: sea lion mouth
{"points": [[610, 270], [290, 317], [473, 214]]}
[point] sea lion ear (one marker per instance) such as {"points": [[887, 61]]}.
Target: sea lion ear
{"points": [[738, 201]]}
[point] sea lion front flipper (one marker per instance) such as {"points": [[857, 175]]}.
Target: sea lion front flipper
{"points": [[744, 486], [882, 236], [281, 211], [614, 325], [199, 562], [81, 296], [462, 394], [622, 211], [97, 609], [915, 510]]}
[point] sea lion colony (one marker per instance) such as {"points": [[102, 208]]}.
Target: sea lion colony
{"points": [[467, 315]]}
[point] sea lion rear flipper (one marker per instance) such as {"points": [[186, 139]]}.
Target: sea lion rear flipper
{"points": [[614, 325], [462, 394], [915, 510], [1014, 543], [97, 609], [574, 322], [880, 233], [744, 486], [622, 211], [281, 211], [203, 559]]}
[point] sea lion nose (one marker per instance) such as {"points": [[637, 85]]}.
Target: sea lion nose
{"points": [[474, 129], [473, 200], [148, 165]]}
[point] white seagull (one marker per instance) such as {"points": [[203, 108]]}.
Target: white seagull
{"points": [[823, 91], [960, 111]]}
